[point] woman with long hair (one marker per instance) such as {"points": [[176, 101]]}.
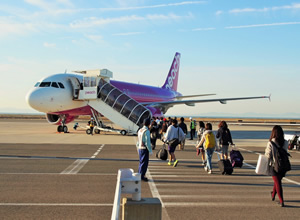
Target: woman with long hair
{"points": [[225, 139], [276, 141]]}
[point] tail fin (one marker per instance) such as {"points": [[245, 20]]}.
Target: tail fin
{"points": [[172, 78]]}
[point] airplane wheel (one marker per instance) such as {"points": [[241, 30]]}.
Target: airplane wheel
{"points": [[97, 131], [88, 131], [123, 132], [65, 129], [60, 128]]}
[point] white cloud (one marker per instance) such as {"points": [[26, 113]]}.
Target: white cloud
{"points": [[219, 12], [204, 29], [295, 6], [262, 25], [40, 3], [8, 27], [48, 6], [152, 6], [93, 21]]}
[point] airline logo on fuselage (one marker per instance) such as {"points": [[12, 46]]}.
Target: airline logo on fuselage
{"points": [[174, 72], [90, 92]]}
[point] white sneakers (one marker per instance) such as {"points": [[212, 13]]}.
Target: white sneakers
{"points": [[208, 171]]}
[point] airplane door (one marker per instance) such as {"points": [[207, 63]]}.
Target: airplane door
{"points": [[75, 86]]}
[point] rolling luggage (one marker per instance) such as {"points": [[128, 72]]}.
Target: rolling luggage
{"points": [[225, 166], [162, 153], [236, 158]]}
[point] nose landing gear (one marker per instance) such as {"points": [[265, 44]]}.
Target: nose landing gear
{"points": [[63, 127]]}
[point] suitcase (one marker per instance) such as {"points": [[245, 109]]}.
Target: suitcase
{"points": [[162, 153], [236, 158], [225, 167]]}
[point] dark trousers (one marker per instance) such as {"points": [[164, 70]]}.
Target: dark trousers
{"points": [[153, 143], [144, 160], [277, 188], [193, 131]]}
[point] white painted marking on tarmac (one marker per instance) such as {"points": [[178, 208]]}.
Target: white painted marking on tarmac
{"points": [[153, 188], [54, 204], [217, 204], [75, 167]]}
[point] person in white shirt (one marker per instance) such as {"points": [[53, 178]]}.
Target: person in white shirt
{"points": [[173, 132], [145, 149]]}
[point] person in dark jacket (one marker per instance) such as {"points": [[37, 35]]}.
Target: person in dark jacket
{"points": [[277, 137], [153, 134], [225, 139], [183, 126]]}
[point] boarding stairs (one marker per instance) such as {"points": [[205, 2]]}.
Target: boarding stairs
{"points": [[111, 102]]}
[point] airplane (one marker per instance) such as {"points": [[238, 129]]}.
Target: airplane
{"points": [[57, 96]]}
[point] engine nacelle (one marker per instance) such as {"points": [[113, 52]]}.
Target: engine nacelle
{"points": [[57, 119]]}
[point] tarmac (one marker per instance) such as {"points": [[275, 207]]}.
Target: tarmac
{"points": [[50, 175]]}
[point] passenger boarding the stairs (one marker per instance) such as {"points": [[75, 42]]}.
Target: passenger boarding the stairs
{"points": [[173, 137], [210, 143]]}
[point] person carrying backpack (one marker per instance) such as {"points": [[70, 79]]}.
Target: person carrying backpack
{"points": [[210, 143], [276, 151], [225, 139]]}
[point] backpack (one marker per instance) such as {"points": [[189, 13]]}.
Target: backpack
{"points": [[225, 138], [282, 163], [210, 140]]}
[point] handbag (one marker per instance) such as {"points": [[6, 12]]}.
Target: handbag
{"points": [[162, 153], [263, 165], [175, 141]]}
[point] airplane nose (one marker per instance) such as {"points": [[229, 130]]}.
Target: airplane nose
{"points": [[33, 98]]}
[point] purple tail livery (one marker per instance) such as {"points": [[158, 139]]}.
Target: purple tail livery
{"points": [[172, 78]]}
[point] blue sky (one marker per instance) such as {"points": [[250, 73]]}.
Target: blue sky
{"points": [[232, 48]]}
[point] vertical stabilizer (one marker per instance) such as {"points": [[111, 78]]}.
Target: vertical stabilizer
{"points": [[172, 78]]}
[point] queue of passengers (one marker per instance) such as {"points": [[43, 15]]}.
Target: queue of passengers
{"points": [[206, 144], [206, 140]]}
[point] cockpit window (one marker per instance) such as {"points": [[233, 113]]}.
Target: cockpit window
{"points": [[54, 84], [37, 84], [61, 85], [45, 84]]}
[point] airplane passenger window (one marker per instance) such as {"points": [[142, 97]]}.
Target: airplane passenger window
{"points": [[45, 84], [61, 85], [54, 84], [37, 84]]}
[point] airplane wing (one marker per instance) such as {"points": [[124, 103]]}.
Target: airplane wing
{"points": [[192, 96], [167, 104]]}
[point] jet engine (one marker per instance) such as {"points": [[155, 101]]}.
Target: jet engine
{"points": [[57, 119]]}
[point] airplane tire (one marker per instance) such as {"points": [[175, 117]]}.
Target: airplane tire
{"points": [[97, 131], [123, 132], [59, 128], [65, 129]]}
